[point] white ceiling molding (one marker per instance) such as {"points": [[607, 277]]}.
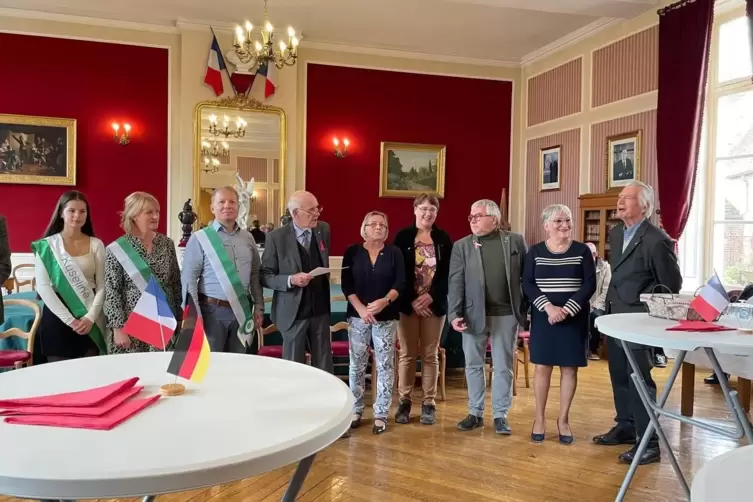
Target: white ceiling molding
{"points": [[570, 39], [91, 21], [325, 46]]}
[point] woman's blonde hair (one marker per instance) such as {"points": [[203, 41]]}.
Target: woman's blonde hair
{"points": [[369, 215], [135, 204]]}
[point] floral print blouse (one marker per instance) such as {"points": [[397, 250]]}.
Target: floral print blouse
{"points": [[121, 294]]}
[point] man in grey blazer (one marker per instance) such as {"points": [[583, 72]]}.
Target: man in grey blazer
{"points": [[5, 265], [642, 257], [485, 302], [301, 302]]}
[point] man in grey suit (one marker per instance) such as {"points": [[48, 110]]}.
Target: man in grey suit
{"points": [[486, 302], [5, 265], [301, 302], [642, 257]]}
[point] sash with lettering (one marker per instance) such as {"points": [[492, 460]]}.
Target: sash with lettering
{"points": [[131, 261], [69, 282], [229, 280]]}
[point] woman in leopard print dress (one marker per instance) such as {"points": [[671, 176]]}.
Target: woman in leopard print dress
{"points": [[139, 219]]}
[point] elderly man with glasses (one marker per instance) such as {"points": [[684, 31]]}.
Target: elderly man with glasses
{"points": [[301, 302], [485, 303]]}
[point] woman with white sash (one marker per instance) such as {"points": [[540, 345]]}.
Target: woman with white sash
{"points": [[70, 272], [131, 261]]}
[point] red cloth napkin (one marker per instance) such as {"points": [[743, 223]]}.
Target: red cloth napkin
{"points": [[699, 326], [80, 411], [104, 423], [89, 397]]}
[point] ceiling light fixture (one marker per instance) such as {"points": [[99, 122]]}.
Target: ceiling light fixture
{"points": [[253, 53]]}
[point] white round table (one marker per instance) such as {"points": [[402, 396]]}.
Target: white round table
{"points": [[646, 330], [725, 478], [250, 415]]}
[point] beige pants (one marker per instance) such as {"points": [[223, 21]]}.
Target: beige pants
{"points": [[419, 335]]}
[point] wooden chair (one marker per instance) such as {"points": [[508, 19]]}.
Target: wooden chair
{"points": [[9, 285], [19, 283], [523, 337], [271, 350], [17, 359], [340, 348]]}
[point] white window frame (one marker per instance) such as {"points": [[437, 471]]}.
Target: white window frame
{"points": [[716, 90]]}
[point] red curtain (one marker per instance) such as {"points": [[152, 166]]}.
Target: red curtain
{"points": [[749, 12], [684, 43]]}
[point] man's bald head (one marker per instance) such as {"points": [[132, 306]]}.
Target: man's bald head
{"points": [[304, 208]]}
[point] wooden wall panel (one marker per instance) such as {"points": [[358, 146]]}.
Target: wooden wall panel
{"points": [[252, 167], [626, 68], [568, 193], [555, 93]]}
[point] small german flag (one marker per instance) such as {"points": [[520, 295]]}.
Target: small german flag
{"points": [[191, 355]]}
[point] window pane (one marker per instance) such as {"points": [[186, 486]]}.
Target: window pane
{"points": [[733, 253], [733, 198], [734, 125], [734, 50]]}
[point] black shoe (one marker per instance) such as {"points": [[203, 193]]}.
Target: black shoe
{"points": [[402, 416], [428, 414], [713, 380], [650, 455], [502, 426], [565, 439], [355, 421], [379, 427], [619, 434], [660, 360], [470, 422]]}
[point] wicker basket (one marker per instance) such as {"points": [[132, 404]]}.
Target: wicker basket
{"points": [[675, 307]]}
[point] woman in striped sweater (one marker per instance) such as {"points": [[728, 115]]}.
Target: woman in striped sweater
{"points": [[559, 278]]}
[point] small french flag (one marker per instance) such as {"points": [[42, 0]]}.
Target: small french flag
{"points": [[152, 321], [712, 299], [270, 78], [215, 65]]}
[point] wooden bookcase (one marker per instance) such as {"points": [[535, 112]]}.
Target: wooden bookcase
{"points": [[596, 217]]}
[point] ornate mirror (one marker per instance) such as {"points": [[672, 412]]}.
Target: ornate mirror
{"points": [[236, 140]]}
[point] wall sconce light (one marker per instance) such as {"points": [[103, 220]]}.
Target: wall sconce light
{"points": [[124, 138], [341, 152]]}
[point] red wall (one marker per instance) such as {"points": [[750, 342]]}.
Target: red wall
{"points": [[472, 117], [96, 84]]}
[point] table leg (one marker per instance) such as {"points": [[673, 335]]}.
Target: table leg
{"points": [[650, 429], [742, 424], [296, 482], [688, 389]]}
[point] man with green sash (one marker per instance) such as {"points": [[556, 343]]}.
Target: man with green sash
{"points": [[221, 269]]}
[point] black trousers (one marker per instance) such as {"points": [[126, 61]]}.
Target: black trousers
{"points": [[630, 410], [595, 336]]}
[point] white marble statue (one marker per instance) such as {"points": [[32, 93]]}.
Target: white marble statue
{"points": [[245, 192]]}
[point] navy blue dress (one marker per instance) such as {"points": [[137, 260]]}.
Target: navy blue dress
{"points": [[566, 280]]}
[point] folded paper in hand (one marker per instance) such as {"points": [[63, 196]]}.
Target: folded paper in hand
{"points": [[322, 271]]}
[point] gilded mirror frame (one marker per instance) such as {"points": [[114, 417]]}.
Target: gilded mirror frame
{"points": [[239, 103]]}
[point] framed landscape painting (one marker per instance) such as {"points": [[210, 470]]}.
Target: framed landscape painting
{"points": [[37, 150], [623, 159], [549, 168], [409, 169]]}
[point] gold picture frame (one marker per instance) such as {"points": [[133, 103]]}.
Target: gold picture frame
{"points": [[37, 150], [411, 171], [550, 168], [621, 170]]}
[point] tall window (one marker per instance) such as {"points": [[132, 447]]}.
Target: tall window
{"points": [[730, 174]]}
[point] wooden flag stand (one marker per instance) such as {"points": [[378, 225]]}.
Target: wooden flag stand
{"points": [[172, 389]]}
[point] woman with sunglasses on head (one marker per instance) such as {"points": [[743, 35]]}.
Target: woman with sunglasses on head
{"points": [[69, 266], [372, 278]]}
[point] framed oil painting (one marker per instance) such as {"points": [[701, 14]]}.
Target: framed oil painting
{"points": [[623, 159], [549, 168], [409, 169], [37, 150]]}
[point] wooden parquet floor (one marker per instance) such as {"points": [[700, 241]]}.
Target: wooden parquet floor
{"points": [[439, 463]]}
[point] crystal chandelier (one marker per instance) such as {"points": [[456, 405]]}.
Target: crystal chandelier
{"points": [[211, 165], [253, 53], [213, 149], [214, 130]]}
